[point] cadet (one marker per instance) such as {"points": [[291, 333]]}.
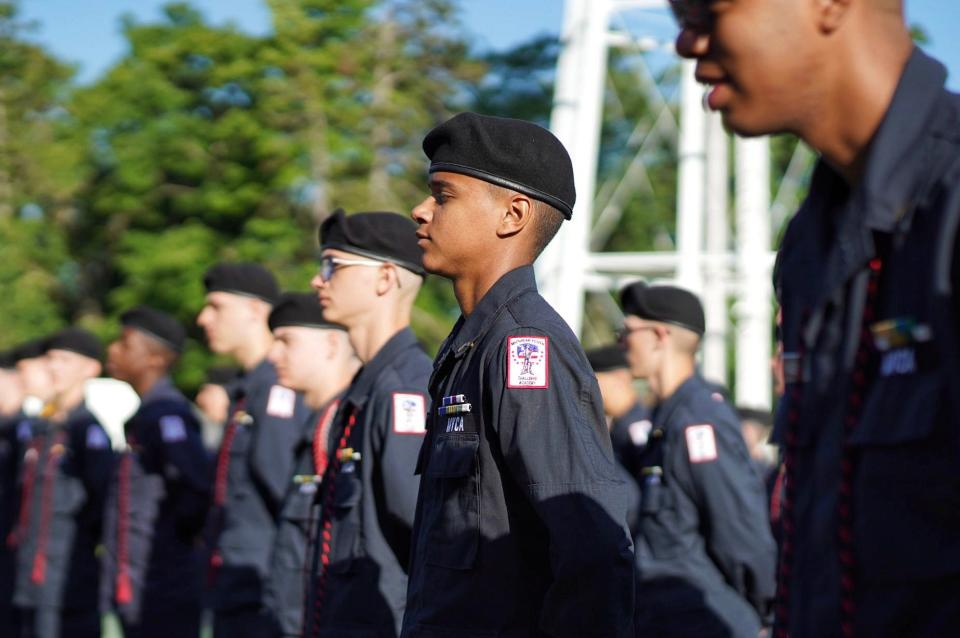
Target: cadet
{"points": [[629, 418], [867, 280], [158, 501], [369, 277], [705, 553], [521, 520], [66, 473], [312, 356], [256, 456]]}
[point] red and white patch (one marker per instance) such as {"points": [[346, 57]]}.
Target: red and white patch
{"points": [[409, 413], [701, 443], [528, 362], [281, 402]]}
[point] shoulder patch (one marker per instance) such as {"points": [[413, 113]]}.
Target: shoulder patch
{"points": [[701, 443], [172, 429], [281, 402], [24, 430], [409, 413], [528, 362], [97, 438]]}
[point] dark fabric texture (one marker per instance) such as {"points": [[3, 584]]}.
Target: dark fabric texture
{"points": [[380, 235], [300, 309], [242, 278], [156, 324], [667, 304]]}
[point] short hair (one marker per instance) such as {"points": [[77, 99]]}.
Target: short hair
{"points": [[546, 219]]}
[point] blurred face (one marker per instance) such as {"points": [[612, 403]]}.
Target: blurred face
{"points": [[455, 223], [644, 347], [757, 57], [128, 355], [36, 378], [350, 287], [227, 319], [214, 402], [11, 391], [69, 370], [300, 355]]}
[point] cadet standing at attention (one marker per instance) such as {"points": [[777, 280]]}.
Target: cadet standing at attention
{"points": [[867, 279], [705, 553], [160, 494], [68, 469], [11, 452], [370, 274], [255, 461], [521, 520], [312, 356]]}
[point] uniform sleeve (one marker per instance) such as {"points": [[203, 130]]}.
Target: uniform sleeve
{"points": [[731, 499], [400, 424], [184, 464], [549, 422], [277, 431], [98, 464]]}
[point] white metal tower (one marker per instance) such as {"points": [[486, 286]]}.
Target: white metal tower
{"points": [[727, 275]]}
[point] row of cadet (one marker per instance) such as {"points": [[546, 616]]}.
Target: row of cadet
{"points": [[360, 490]]}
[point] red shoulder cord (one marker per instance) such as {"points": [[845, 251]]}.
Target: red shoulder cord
{"points": [[124, 589], [223, 470], [326, 526], [39, 573], [30, 460], [321, 433]]}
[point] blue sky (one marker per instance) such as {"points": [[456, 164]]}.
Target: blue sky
{"points": [[87, 33]]}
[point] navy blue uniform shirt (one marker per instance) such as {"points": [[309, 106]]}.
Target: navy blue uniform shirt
{"points": [[705, 553], [57, 567], [521, 520], [258, 453], [369, 496], [163, 479], [869, 422]]}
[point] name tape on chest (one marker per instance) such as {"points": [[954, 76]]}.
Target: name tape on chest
{"points": [[528, 362], [281, 402], [97, 439], [172, 429], [409, 413], [701, 443]]}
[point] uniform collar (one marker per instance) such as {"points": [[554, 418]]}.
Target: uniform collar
{"points": [[392, 351], [891, 172], [162, 389], [508, 287], [261, 373], [683, 393]]}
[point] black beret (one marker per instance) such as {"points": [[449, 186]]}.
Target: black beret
{"points": [[379, 235], [300, 309], [29, 350], [157, 325], [7, 360], [221, 375], [248, 279], [667, 304], [515, 154], [607, 358], [77, 340]]}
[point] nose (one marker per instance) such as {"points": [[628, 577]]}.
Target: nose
{"points": [[317, 282], [422, 213], [692, 43], [202, 317]]}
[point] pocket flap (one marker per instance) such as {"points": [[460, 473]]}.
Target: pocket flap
{"points": [[453, 455], [901, 408], [346, 492]]}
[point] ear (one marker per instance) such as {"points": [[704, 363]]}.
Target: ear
{"points": [[831, 14], [387, 279], [515, 215]]}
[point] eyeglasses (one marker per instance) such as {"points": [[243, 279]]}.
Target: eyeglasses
{"points": [[329, 264], [692, 14]]}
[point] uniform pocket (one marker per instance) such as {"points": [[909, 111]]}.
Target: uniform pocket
{"points": [[346, 537], [657, 518], [455, 472]]}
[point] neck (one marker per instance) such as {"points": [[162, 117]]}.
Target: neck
{"points": [[253, 350], [68, 401], [321, 394], [470, 289], [145, 382], [671, 376], [845, 125], [618, 409], [369, 337]]}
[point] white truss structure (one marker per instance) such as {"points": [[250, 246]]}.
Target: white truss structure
{"points": [[730, 268]]}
